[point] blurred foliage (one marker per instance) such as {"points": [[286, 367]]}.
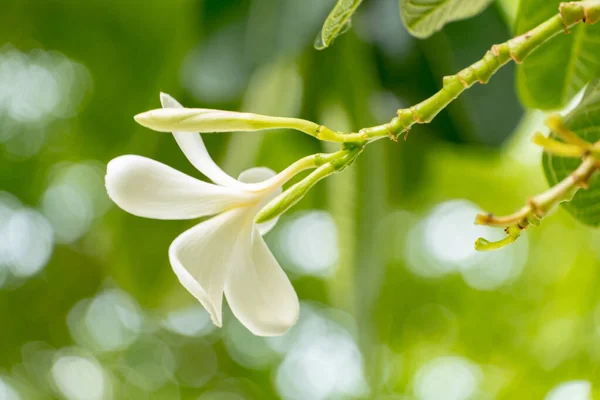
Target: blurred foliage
{"points": [[395, 302]]}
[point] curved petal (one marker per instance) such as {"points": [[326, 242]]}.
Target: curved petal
{"points": [[256, 175], [194, 149], [259, 292], [148, 188], [203, 257]]}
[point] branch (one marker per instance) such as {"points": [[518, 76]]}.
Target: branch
{"points": [[517, 49], [538, 206], [328, 164]]}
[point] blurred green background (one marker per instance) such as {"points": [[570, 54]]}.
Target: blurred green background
{"points": [[395, 303]]}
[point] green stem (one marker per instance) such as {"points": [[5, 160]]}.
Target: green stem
{"points": [[516, 49], [308, 162], [538, 206], [327, 165], [512, 234]]}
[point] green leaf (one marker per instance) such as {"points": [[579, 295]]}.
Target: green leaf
{"points": [[584, 120], [337, 23], [425, 17], [554, 73]]}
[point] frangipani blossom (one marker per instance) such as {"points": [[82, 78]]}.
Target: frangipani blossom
{"points": [[225, 254]]}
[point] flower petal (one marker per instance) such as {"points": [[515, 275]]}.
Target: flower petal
{"points": [[259, 292], [203, 257], [256, 175], [148, 188], [194, 149]]}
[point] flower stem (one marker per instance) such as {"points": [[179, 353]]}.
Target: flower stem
{"points": [[513, 233], [326, 165], [308, 162]]}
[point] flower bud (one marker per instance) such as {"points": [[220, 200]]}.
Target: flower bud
{"points": [[206, 120]]}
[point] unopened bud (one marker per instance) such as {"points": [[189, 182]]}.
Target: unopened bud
{"points": [[207, 120]]}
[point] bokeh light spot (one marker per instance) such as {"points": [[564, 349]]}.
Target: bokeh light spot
{"points": [[190, 321], [322, 360], [442, 243], [74, 198], [247, 349], [8, 205], [448, 378], [110, 321], [7, 391], [36, 89], [30, 239], [307, 243], [80, 378], [572, 390]]}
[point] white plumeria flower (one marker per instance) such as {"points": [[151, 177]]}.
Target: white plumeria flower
{"points": [[225, 254]]}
